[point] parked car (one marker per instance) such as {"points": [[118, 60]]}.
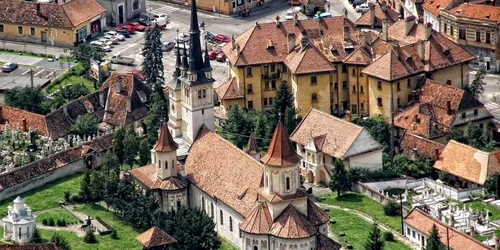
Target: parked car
{"points": [[294, 2], [220, 57], [362, 8], [181, 46], [124, 33], [183, 37], [119, 59], [113, 39], [104, 47], [118, 36], [106, 41], [323, 15], [358, 2], [138, 75], [288, 15], [209, 36], [128, 27], [213, 54], [137, 26], [9, 67], [220, 38], [145, 23], [167, 46]]}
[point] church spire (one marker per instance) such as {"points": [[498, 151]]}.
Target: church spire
{"points": [[177, 72], [280, 152], [184, 65], [165, 141], [207, 66], [252, 148], [194, 32]]}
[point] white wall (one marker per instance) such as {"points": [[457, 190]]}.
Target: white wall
{"points": [[370, 160], [411, 10], [429, 18], [415, 236], [296, 244]]}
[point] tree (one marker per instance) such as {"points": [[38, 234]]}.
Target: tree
{"points": [[89, 237], [118, 144], [261, 130], [114, 234], [374, 241], [419, 167], [433, 241], [85, 187], [152, 66], [158, 112], [55, 102], [110, 162], [340, 181], [238, 126], [111, 187], [476, 87], [130, 147], [191, 227], [86, 52], [26, 98], [60, 241], [144, 152], [290, 122], [377, 127], [36, 238], [284, 99], [85, 125], [492, 185], [391, 208], [97, 186], [473, 136], [73, 91]]}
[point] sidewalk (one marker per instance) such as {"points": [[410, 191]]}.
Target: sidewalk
{"points": [[34, 48]]}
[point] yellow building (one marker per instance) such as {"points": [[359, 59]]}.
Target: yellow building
{"points": [[64, 23]]}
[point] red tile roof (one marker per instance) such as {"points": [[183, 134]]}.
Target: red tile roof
{"points": [[15, 118], [381, 13], [477, 11], [251, 147], [155, 237], [307, 60], [393, 66], [410, 143], [229, 90], [316, 216], [291, 224], [433, 6], [276, 198], [147, 176], [457, 240], [280, 152], [325, 243], [258, 220], [165, 142]]}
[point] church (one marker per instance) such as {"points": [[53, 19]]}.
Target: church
{"points": [[256, 203]]}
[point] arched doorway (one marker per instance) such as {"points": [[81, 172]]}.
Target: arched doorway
{"points": [[310, 176]]}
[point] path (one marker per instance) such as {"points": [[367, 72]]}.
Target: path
{"points": [[83, 217], [369, 219], [71, 228]]}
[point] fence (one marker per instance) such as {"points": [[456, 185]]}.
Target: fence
{"points": [[375, 195]]}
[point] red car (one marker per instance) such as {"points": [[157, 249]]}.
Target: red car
{"points": [[220, 38], [212, 54], [137, 26], [220, 57], [127, 27], [138, 75]]}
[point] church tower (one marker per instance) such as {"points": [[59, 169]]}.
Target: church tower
{"points": [[174, 96], [163, 155]]}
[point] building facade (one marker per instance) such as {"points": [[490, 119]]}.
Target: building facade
{"points": [[19, 224], [121, 11]]}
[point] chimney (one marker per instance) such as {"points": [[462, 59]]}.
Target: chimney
{"points": [[372, 15], [118, 84], [277, 20], [395, 48], [420, 50], [1, 115], [102, 96], [448, 107], [428, 31], [296, 19], [237, 50], [385, 30], [448, 82], [362, 39], [452, 220], [409, 22], [129, 104], [303, 43], [24, 126], [383, 6], [347, 35], [38, 8], [436, 154], [233, 42], [291, 42]]}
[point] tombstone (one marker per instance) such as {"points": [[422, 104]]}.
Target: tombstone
{"points": [[6, 128]]}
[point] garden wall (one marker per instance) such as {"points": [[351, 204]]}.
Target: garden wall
{"points": [[375, 195]]}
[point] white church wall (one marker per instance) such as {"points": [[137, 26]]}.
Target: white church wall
{"points": [[371, 160], [299, 244], [250, 241]]}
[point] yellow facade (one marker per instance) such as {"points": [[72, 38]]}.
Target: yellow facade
{"points": [[340, 89], [458, 75], [358, 90], [380, 94], [309, 94]]}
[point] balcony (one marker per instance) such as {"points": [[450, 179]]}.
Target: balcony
{"points": [[271, 76]]}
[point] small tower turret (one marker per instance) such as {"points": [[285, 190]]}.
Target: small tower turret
{"points": [[252, 149], [207, 68], [163, 154]]}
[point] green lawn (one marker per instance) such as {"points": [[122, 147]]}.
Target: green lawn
{"points": [[71, 79], [226, 245], [359, 202], [47, 196], [495, 211], [56, 214], [356, 231]]}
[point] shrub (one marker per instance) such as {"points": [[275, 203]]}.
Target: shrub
{"points": [[114, 234], [77, 198], [388, 236], [391, 208], [44, 222], [51, 222], [59, 223], [67, 196], [89, 236]]}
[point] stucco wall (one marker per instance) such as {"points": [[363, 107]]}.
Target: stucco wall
{"points": [[55, 36], [370, 160], [458, 74], [429, 18]]}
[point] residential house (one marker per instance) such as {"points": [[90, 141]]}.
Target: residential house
{"points": [[322, 139], [432, 8], [412, 145], [417, 226], [439, 108], [372, 19], [61, 23], [476, 27], [414, 8], [155, 238], [122, 11], [396, 5]]}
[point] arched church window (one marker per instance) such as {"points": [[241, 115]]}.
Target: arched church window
{"points": [[178, 205], [166, 164], [255, 248], [287, 183], [173, 164], [203, 203], [199, 94], [230, 223], [204, 93], [172, 107]]}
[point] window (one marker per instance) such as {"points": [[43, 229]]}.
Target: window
{"points": [[265, 101], [478, 36], [451, 30], [199, 94], [445, 28], [413, 233], [32, 31], [266, 70], [398, 86], [178, 204], [1, 28], [362, 105], [255, 248], [409, 83], [379, 85], [266, 85], [353, 89], [250, 105], [407, 231], [336, 86], [475, 112], [273, 68], [270, 101], [221, 217], [344, 84], [284, 68], [204, 93], [203, 203], [19, 30], [211, 210], [488, 39], [379, 102], [159, 164], [287, 183], [136, 5], [273, 85], [461, 34], [360, 89], [398, 103], [344, 68], [230, 223], [166, 164], [481, 126], [249, 72], [249, 89], [314, 80], [314, 97], [463, 115], [353, 72]]}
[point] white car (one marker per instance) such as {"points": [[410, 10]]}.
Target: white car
{"points": [[106, 41], [362, 7], [102, 45], [183, 37], [288, 15], [115, 34], [113, 39]]}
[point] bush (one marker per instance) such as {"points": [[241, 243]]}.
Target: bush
{"points": [[391, 208], [89, 236], [77, 198], [51, 222], [114, 235], [59, 223], [388, 236], [67, 196], [44, 222]]}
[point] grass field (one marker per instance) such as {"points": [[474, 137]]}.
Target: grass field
{"points": [[56, 214], [47, 196], [226, 245], [356, 231], [359, 202], [495, 211], [71, 79]]}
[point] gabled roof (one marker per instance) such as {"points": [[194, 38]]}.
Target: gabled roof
{"points": [[381, 13], [393, 65], [340, 135], [411, 144], [223, 171], [165, 142], [467, 162], [280, 152], [316, 216], [477, 11], [15, 118], [359, 57], [423, 222], [433, 6], [291, 224], [308, 60], [229, 90], [258, 220], [147, 176], [155, 237]]}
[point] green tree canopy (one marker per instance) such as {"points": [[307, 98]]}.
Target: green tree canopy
{"points": [[73, 91], [377, 127], [130, 147], [86, 187], [493, 184], [86, 52], [419, 167], [110, 162], [374, 241], [476, 87], [284, 99], [60, 241], [340, 181], [26, 98], [85, 125], [144, 152], [97, 185], [473, 136], [152, 66], [238, 126], [89, 237], [433, 241], [118, 147], [36, 238], [158, 112]]}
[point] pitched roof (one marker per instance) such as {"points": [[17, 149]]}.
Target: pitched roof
{"points": [[31, 246], [232, 179], [439, 94], [340, 135], [467, 162], [325, 243], [280, 151], [316, 216], [393, 65], [381, 13], [15, 117], [477, 11], [410, 143], [291, 224], [67, 15], [358, 57], [433, 6], [258, 220], [229, 90], [147, 176], [165, 142], [308, 60], [251, 147], [155, 237], [457, 240]]}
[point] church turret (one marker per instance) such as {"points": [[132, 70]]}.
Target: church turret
{"points": [[192, 72], [252, 149], [177, 72], [207, 68], [194, 33], [163, 154], [184, 63]]}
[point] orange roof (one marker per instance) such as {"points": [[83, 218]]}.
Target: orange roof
{"points": [[251, 147], [291, 224], [155, 237], [439, 94], [280, 151], [80, 11], [308, 60], [467, 162], [165, 141], [381, 13], [410, 143], [229, 90], [477, 11], [433, 6], [276, 198], [16, 117], [147, 176], [358, 57], [391, 66], [457, 240], [258, 220], [233, 178], [316, 216]]}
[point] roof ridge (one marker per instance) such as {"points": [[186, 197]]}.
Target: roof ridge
{"points": [[233, 146], [337, 119]]}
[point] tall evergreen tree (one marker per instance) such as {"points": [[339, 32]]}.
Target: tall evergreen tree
{"points": [[374, 241], [433, 241], [284, 99], [340, 181], [111, 188], [290, 122], [158, 112], [476, 87], [261, 131], [97, 186], [118, 144], [86, 187], [60, 241], [130, 147], [86, 52], [110, 162], [144, 152], [152, 65], [237, 127], [36, 238]]}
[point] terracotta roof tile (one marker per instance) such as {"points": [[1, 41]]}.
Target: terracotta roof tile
{"points": [[394, 65], [251, 147], [325, 243], [280, 151], [316, 216], [155, 237], [381, 13], [80, 11], [147, 176], [165, 142], [229, 90], [273, 198], [291, 224], [308, 60], [233, 179], [15, 118], [433, 6], [258, 220], [457, 240], [477, 11], [31, 246], [410, 143], [358, 57]]}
